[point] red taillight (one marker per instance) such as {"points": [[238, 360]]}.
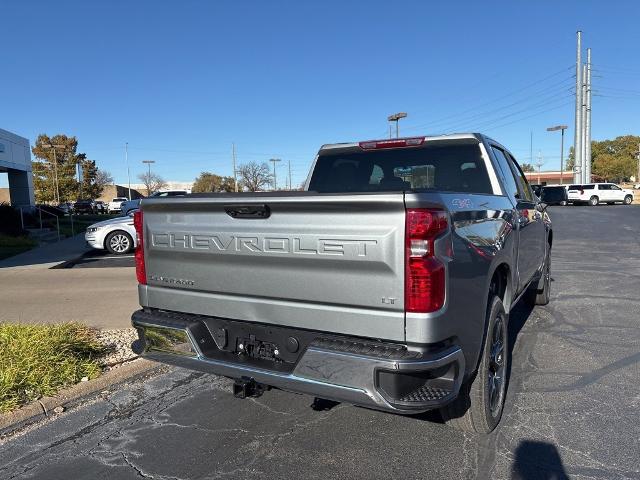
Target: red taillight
{"points": [[424, 273], [392, 143], [141, 272]]}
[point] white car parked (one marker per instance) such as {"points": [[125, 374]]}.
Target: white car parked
{"points": [[117, 235], [116, 204], [595, 193]]}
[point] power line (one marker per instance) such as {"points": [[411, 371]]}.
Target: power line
{"points": [[545, 101], [530, 116], [493, 101], [549, 93]]}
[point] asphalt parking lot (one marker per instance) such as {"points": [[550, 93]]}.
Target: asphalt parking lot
{"points": [[572, 404]]}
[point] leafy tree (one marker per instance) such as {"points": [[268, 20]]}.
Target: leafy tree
{"points": [[527, 167], [254, 175], [615, 160], [210, 182], [88, 187], [62, 166], [152, 182], [56, 162], [612, 160]]}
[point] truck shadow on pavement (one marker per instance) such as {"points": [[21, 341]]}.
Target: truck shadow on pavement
{"points": [[536, 460]]}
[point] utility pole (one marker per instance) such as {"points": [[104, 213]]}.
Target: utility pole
{"points": [[638, 176], [583, 156], [539, 164], [275, 181], [577, 142], [395, 118], [126, 159], [55, 167], [587, 123], [55, 173], [290, 175], [235, 175], [562, 128]]}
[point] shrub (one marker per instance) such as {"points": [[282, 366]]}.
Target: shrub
{"points": [[10, 220]]}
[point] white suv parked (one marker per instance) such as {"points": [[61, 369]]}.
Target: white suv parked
{"points": [[595, 193]]}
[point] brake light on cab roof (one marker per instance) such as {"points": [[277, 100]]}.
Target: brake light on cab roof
{"points": [[392, 143]]}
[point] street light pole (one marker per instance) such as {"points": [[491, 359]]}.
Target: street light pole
{"points": [[562, 128], [394, 118], [275, 182]]}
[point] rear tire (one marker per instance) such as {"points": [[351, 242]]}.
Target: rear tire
{"points": [[593, 201], [118, 242], [540, 292], [628, 199], [479, 404]]}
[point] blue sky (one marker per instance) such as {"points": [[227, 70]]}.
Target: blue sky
{"points": [[180, 81]]}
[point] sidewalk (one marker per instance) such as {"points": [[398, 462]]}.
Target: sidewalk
{"points": [[98, 297], [49, 255]]}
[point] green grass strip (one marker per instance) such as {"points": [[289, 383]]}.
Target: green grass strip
{"points": [[38, 360]]}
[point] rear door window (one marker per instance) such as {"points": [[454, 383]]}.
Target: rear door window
{"points": [[441, 166], [510, 184], [523, 185]]}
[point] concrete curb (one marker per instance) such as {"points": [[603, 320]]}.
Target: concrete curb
{"points": [[44, 407]]}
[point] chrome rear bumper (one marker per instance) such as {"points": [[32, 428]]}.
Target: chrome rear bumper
{"points": [[322, 370]]}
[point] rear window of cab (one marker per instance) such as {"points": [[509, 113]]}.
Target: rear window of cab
{"points": [[442, 166]]}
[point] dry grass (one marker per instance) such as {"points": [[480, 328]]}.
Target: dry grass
{"points": [[38, 360]]}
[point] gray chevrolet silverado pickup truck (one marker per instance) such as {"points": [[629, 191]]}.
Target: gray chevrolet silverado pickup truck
{"points": [[386, 284]]}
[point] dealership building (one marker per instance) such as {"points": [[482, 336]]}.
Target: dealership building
{"points": [[15, 161]]}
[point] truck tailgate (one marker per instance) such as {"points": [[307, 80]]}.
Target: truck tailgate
{"points": [[331, 263]]}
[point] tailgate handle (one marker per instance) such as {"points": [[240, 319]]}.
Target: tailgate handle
{"points": [[247, 211]]}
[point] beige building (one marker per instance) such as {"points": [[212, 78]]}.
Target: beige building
{"points": [[5, 196], [113, 191]]}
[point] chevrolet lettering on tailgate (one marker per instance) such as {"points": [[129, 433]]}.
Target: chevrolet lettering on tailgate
{"points": [[257, 244]]}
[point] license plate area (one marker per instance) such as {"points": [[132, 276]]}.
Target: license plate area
{"points": [[263, 345], [255, 348]]}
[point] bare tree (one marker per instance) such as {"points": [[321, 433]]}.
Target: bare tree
{"points": [[103, 178], [254, 175], [152, 182]]}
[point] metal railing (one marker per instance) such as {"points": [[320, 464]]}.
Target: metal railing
{"points": [[40, 212]]}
